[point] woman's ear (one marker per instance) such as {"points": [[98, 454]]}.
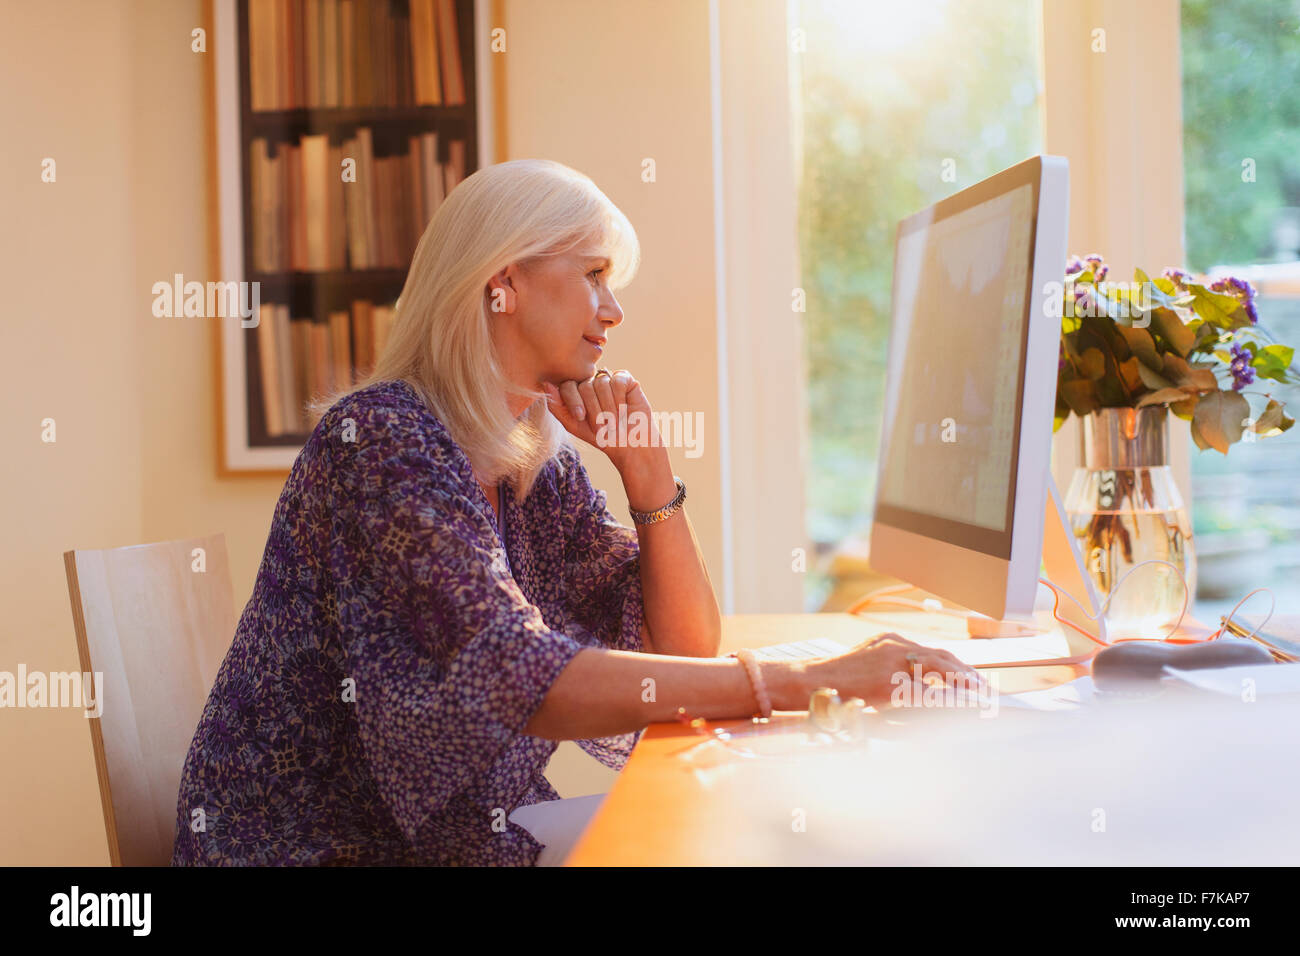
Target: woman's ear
{"points": [[501, 292]]}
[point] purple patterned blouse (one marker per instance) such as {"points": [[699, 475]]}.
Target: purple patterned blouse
{"points": [[371, 707]]}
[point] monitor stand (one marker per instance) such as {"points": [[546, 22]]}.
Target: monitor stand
{"points": [[1064, 566]]}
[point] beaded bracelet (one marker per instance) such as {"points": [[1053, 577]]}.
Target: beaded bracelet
{"points": [[746, 657]]}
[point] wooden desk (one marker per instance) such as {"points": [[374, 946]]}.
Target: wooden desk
{"points": [[659, 813]]}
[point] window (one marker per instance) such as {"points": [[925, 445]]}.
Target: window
{"points": [[1241, 134], [896, 106]]}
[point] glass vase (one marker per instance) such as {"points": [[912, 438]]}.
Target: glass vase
{"points": [[1124, 508]]}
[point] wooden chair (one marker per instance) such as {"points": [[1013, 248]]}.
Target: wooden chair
{"points": [[158, 630]]}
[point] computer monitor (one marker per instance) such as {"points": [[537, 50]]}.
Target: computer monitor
{"points": [[964, 488]]}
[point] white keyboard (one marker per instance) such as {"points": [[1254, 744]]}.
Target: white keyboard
{"points": [[977, 652], [799, 650]]}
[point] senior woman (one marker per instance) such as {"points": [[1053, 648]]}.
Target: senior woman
{"points": [[443, 595]]}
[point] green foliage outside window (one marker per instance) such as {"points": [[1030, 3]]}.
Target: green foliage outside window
{"points": [[901, 105], [1241, 118]]}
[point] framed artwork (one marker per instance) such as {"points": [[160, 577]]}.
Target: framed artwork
{"points": [[339, 128]]}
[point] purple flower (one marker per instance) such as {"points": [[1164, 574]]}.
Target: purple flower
{"points": [[1242, 291], [1099, 268], [1074, 266], [1178, 277], [1083, 300], [1242, 372], [1231, 285]]}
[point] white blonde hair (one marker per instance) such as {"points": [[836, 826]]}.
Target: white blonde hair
{"points": [[440, 341]]}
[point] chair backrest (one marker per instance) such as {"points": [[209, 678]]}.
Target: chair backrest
{"points": [[156, 620]]}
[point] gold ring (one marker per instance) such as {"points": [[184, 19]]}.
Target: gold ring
{"points": [[602, 371]]}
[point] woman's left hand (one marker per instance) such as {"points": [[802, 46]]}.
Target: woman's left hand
{"points": [[608, 411], [681, 611]]}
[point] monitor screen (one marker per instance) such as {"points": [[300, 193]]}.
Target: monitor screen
{"points": [[952, 408]]}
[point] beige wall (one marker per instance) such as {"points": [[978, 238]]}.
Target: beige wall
{"points": [[602, 86], [1126, 160], [114, 94]]}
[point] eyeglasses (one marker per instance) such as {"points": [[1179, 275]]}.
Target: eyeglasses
{"points": [[1237, 630]]}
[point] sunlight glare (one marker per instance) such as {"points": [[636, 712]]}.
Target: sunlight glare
{"points": [[875, 27]]}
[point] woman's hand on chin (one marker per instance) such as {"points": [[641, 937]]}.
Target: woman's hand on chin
{"points": [[610, 412]]}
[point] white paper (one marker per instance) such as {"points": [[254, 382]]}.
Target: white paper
{"points": [[1232, 681], [1068, 696]]}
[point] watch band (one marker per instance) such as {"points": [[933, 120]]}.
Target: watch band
{"points": [[659, 514]]}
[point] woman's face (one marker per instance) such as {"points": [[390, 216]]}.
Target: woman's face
{"points": [[551, 317]]}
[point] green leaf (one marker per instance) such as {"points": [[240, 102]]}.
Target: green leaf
{"points": [[1201, 443], [1207, 336], [1112, 388], [1177, 336], [1189, 376], [1223, 311], [1273, 420], [1153, 380], [1272, 361], [1161, 396], [1111, 393], [1185, 409], [1143, 346], [1220, 418], [1165, 287], [1162, 285], [1119, 305], [1201, 378], [1080, 395], [1130, 375], [1270, 417], [1092, 364]]}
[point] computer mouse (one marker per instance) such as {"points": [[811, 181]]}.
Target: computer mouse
{"points": [[1135, 666]]}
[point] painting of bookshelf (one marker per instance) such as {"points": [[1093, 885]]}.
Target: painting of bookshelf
{"points": [[340, 127]]}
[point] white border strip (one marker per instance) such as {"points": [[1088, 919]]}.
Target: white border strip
{"points": [[238, 456], [483, 27], [720, 284]]}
